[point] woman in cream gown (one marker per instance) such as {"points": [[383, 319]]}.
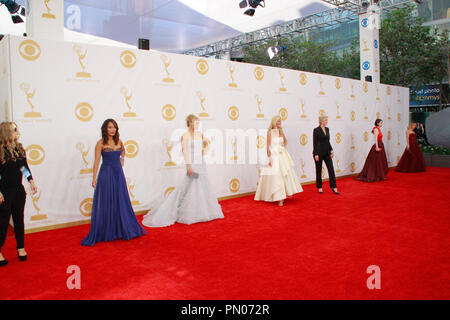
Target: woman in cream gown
{"points": [[278, 179]]}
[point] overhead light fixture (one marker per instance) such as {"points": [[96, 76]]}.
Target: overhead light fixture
{"points": [[14, 9], [252, 4]]}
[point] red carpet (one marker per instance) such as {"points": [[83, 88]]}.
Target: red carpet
{"points": [[314, 247]]}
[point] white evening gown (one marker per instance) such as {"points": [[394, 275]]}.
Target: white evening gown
{"points": [[190, 202], [280, 180]]}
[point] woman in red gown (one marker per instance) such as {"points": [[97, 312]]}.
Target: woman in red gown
{"points": [[376, 166], [412, 159]]}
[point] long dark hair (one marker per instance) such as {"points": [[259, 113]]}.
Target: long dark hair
{"points": [[105, 131]]}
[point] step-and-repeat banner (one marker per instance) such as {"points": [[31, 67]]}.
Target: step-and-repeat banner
{"points": [[62, 92]]}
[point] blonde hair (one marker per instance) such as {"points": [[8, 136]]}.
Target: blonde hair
{"points": [[14, 148], [410, 125], [191, 118], [273, 124], [322, 117]]}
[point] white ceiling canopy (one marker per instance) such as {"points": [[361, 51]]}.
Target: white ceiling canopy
{"points": [[173, 25]]}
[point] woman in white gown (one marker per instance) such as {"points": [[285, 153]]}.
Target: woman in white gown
{"points": [[192, 201], [278, 179]]}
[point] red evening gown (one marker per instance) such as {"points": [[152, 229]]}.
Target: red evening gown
{"points": [[412, 160]]}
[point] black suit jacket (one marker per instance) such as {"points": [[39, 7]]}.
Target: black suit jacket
{"points": [[321, 142]]}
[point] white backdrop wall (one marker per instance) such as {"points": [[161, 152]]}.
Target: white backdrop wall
{"points": [[62, 92]]}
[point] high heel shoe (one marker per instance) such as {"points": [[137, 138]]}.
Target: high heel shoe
{"points": [[280, 203], [22, 258], [320, 191], [335, 191], [3, 263]]}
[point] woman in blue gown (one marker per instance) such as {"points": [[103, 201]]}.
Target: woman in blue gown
{"points": [[112, 214]]}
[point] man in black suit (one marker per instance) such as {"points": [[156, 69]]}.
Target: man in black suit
{"points": [[323, 152]]}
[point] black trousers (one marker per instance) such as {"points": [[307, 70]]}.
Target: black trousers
{"points": [[14, 205], [329, 163]]}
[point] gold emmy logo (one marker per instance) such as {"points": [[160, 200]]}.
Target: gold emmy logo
{"points": [[303, 116], [260, 142], [29, 50], [233, 113], [352, 95], [131, 148], [130, 190], [365, 87], [376, 66], [128, 59], [283, 113], [81, 57], [202, 66], [303, 139], [202, 98], [338, 138], [378, 115], [27, 90], [166, 61], [352, 147], [365, 113], [282, 78], [366, 136], [259, 103], [338, 169], [36, 154], [48, 15], [231, 71], [398, 139], [302, 164], [353, 115], [338, 116], [38, 215], [168, 112], [258, 73], [321, 92], [398, 117], [168, 191], [127, 97], [234, 185], [303, 79], [388, 90], [389, 135], [233, 141], [168, 146], [84, 153], [337, 83], [86, 207], [389, 113], [378, 98], [352, 167], [365, 45], [84, 111], [322, 113], [398, 95]]}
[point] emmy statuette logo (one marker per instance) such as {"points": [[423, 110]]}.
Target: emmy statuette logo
{"points": [[352, 147], [127, 98], [302, 164], [38, 215], [321, 92], [338, 115], [302, 104], [352, 95], [233, 142], [378, 89], [365, 48], [202, 99], [338, 169], [231, 70], [166, 61], [131, 187], [26, 88], [48, 14], [168, 146], [84, 153], [282, 80], [81, 56], [259, 115], [365, 113]]}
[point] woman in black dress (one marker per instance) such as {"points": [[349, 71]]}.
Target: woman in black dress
{"points": [[323, 152], [13, 164]]}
